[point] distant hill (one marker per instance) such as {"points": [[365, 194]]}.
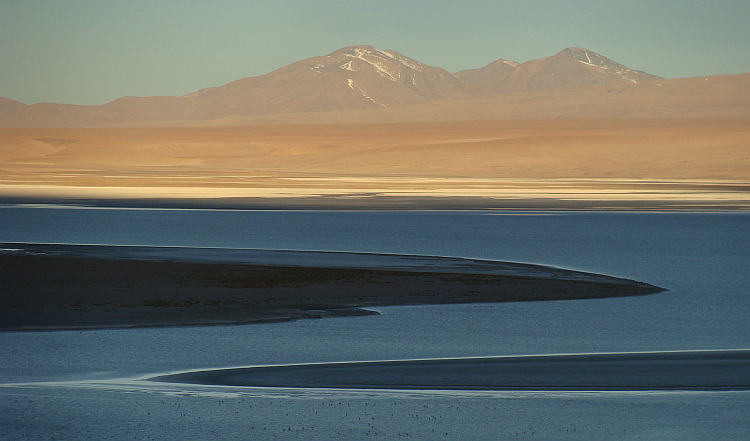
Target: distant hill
{"points": [[357, 77], [363, 79], [568, 68], [9, 104]]}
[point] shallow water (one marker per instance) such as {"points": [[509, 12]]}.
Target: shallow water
{"points": [[701, 258]]}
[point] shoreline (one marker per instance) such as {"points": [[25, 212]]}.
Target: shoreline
{"points": [[267, 317], [385, 203], [707, 370], [47, 286]]}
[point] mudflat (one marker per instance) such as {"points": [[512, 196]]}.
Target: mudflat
{"points": [[47, 287], [667, 164]]}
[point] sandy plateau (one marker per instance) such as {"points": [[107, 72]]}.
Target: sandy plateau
{"points": [[574, 163]]}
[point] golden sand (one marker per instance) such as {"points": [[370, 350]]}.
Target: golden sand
{"points": [[694, 162]]}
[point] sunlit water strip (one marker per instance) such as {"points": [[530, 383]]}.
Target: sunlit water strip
{"points": [[143, 385]]}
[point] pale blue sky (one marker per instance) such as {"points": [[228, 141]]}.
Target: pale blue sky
{"points": [[94, 51]]}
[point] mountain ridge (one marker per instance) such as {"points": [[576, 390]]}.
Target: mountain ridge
{"points": [[570, 67], [353, 78]]}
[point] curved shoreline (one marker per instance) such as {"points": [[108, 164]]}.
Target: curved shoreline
{"points": [[53, 286], [634, 371]]}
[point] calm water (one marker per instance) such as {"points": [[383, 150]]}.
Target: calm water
{"points": [[88, 391]]}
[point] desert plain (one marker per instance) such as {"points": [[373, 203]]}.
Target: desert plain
{"points": [[583, 163]]}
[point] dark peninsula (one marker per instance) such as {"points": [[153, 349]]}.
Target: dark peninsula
{"points": [[53, 287]]}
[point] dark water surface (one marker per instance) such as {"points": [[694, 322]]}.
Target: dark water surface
{"points": [[89, 389]]}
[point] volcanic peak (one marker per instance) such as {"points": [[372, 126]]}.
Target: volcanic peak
{"points": [[593, 59], [388, 64]]}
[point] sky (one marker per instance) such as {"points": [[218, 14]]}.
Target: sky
{"points": [[92, 52]]}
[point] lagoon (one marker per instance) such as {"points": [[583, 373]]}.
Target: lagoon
{"points": [[701, 258]]}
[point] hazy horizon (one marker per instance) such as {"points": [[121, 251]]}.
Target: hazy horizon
{"points": [[85, 52]]}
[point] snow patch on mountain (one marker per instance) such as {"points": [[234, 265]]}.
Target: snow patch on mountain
{"points": [[411, 64], [356, 88], [347, 66], [379, 67], [598, 66], [386, 53]]}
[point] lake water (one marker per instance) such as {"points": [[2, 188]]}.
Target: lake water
{"points": [[84, 385]]}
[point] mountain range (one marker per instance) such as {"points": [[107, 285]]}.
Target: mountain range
{"points": [[363, 78]]}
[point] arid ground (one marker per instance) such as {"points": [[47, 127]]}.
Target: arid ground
{"points": [[578, 163]]}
